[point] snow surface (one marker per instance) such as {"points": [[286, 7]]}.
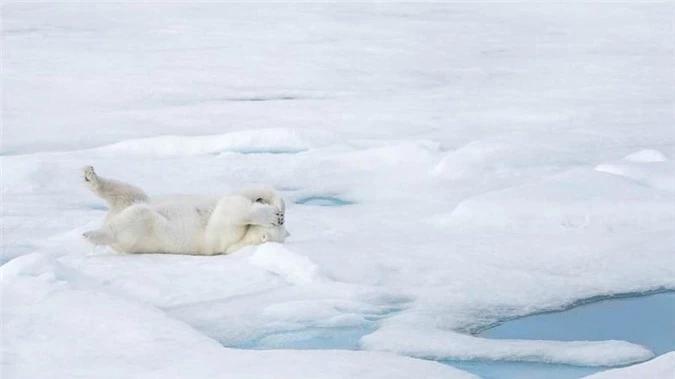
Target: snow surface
{"points": [[491, 160], [436, 345], [661, 367], [58, 324]]}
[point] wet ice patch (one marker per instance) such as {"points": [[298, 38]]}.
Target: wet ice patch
{"points": [[324, 323], [325, 338], [323, 201], [95, 207], [293, 316], [267, 151]]}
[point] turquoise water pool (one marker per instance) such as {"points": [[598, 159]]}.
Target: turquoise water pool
{"points": [[647, 320], [343, 338], [324, 201]]}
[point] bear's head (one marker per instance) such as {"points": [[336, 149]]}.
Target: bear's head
{"points": [[274, 234]]}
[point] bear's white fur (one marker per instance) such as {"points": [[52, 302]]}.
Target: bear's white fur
{"points": [[196, 225]]}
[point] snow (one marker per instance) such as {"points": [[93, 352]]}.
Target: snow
{"points": [[294, 268], [261, 141], [576, 199], [662, 367], [56, 324], [475, 162], [434, 344], [647, 167], [646, 155]]}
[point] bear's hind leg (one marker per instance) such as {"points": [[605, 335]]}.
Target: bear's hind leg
{"points": [[131, 231], [99, 237], [135, 226], [117, 194]]}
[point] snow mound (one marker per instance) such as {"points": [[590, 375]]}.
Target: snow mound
{"points": [[29, 174], [166, 280], [439, 344], [577, 199], [277, 259], [391, 154], [662, 367], [500, 157], [468, 161], [647, 167], [250, 141], [646, 155]]}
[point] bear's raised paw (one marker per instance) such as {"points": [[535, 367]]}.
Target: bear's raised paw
{"points": [[89, 174]]}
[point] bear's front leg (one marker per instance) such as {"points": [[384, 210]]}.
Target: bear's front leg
{"points": [[265, 215]]}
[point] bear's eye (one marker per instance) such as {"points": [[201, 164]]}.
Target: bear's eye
{"points": [[259, 200]]}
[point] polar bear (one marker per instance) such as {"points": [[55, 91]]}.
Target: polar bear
{"points": [[194, 225]]}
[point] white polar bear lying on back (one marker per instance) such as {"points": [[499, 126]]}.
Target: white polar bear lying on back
{"points": [[196, 225]]}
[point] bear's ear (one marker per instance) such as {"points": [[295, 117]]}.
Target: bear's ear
{"points": [[264, 237]]}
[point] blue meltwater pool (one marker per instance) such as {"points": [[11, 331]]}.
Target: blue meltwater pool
{"points": [[647, 320], [324, 201]]}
